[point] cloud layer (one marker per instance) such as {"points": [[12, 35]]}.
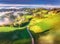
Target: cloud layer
{"points": [[27, 6]]}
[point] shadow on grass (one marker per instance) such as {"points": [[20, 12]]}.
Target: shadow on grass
{"points": [[15, 37]]}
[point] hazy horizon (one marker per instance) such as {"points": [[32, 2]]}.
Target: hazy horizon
{"points": [[28, 6]]}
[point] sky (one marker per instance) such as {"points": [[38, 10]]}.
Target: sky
{"points": [[29, 3], [51, 2]]}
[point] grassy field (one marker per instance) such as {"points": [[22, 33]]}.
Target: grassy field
{"points": [[8, 29]]}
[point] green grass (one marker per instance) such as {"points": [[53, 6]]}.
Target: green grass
{"points": [[8, 29], [23, 41]]}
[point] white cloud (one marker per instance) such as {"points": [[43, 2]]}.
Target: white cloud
{"points": [[28, 5]]}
